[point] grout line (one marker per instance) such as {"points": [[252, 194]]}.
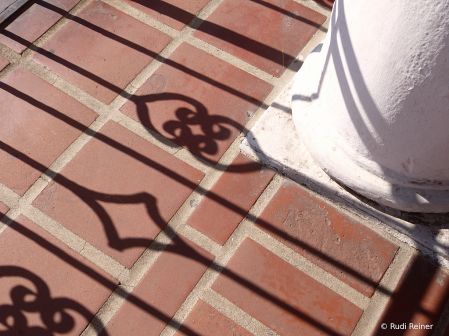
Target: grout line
{"points": [[231, 59], [107, 311], [143, 17], [11, 55], [54, 228], [102, 260], [8, 218], [315, 6], [200, 239], [8, 197], [66, 156], [308, 267], [177, 224], [144, 132], [234, 313], [30, 51], [378, 302], [223, 255]]}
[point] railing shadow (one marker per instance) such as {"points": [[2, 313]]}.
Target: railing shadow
{"points": [[54, 313], [92, 198], [408, 302]]}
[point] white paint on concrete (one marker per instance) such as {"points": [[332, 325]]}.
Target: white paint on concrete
{"points": [[371, 104], [275, 142]]}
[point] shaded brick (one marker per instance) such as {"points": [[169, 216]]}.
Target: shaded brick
{"points": [[203, 319], [241, 185], [164, 288], [101, 50], [283, 298], [419, 299], [45, 287], [175, 13], [197, 101], [119, 192], [38, 122], [331, 240], [268, 34], [34, 22]]}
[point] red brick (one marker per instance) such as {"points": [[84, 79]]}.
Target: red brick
{"points": [[38, 122], [282, 297], [3, 62], [201, 102], [162, 291], [101, 50], [267, 34], [331, 240], [328, 3], [3, 209], [419, 298], [175, 13], [241, 185], [45, 287], [203, 319], [35, 21], [119, 192]]}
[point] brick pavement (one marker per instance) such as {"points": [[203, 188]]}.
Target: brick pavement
{"points": [[127, 208]]}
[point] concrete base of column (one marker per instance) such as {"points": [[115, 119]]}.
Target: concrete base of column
{"points": [[322, 142]]}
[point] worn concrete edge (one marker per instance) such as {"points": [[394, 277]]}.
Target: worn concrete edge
{"points": [[334, 193]]}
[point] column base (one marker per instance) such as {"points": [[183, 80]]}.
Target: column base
{"points": [[320, 141]]}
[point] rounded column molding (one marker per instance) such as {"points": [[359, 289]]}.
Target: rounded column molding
{"points": [[371, 103]]}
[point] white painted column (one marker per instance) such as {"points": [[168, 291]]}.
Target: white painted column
{"points": [[371, 104]]}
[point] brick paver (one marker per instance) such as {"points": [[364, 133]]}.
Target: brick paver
{"points": [[333, 241], [204, 320], [162, 291], [175, 13], [38, 122], [98, 197], [35, 21], [122, 192], [198, 101], [46, 288], [101, 50], [242, 183], [282, 297], [418, 299], [263, 33]]}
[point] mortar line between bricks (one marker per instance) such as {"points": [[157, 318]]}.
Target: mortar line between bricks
{"points": [[50, 36], [143, 17], [186, 35], [308, 267], [251, 218], [378, 302], [235, 313], [11, 55], [142, 266], [30, 50], [75, 95], [315, 6], [355, 213], [107, 310], [200, 239], [225, 253]]}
